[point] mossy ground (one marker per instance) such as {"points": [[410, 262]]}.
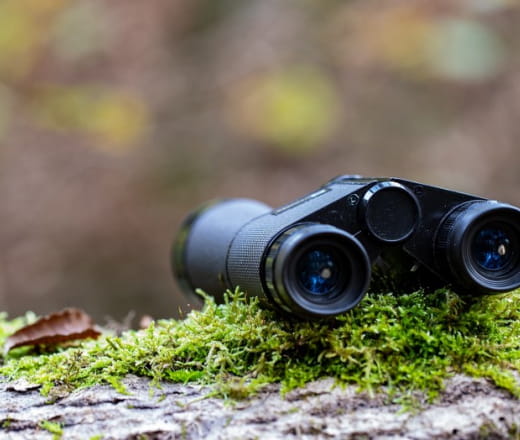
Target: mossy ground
{"points": [[404, 342]]}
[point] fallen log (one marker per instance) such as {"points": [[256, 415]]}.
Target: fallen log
{"points": [[468, 408]]}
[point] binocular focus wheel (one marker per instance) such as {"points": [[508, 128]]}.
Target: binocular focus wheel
{"points": [[390, 212]]}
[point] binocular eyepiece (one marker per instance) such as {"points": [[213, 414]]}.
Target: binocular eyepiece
{"points": [[313, 258]]}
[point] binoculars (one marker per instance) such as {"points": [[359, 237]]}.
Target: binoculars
{"points": [[315, 257]]}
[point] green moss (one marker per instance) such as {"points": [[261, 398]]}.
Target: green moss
{"points": [[54, 428], [405, 342], [7, 327]]}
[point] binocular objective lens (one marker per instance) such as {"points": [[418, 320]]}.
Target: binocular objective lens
{"points": [[320, 271], [492, 247]]}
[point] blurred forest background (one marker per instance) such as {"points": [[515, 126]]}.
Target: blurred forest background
{"points": [[118, 117]]}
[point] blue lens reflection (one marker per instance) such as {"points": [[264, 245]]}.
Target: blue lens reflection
{"points": [[318, 272], [492, 248]]}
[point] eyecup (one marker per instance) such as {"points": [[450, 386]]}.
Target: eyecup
{"points": [[280, 266], [454, 246]]}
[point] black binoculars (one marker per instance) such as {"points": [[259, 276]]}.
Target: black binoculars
{"points": [[314, 257]]}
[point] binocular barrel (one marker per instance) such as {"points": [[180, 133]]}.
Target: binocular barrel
{"points": [[312, 258], [201, 251], [310, 269]]}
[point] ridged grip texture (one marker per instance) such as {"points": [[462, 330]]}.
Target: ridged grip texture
{"points": [[247, 250], [207, 245]]}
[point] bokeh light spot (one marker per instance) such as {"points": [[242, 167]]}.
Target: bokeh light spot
{"points": [[117, 120], [6, 99], [18, 39], [294, 110], [81, 30], [465, 50]]}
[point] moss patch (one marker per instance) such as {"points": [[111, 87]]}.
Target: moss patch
{"points": [[405, 342], [54, 428]]}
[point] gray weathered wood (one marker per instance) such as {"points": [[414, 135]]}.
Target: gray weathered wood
{"points": [[468, 409]]}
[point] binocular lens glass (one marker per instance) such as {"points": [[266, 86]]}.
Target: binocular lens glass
{"points": [[492, 247], [320, 271]]}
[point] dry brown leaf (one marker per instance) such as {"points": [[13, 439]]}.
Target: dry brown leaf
{"points": [[68, 325]]}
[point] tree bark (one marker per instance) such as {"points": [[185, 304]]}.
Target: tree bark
{"points": [[467, 409]]}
